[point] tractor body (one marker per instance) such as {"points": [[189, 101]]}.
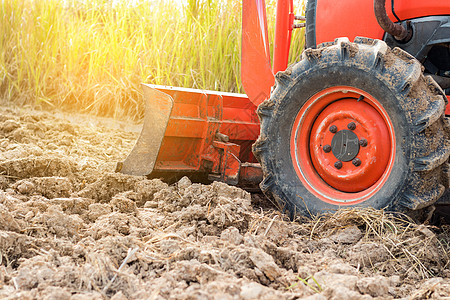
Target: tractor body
{"points": [[209, 135], [328, 20]]}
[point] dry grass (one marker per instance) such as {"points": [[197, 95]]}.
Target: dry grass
{"points": [[410, 246]]}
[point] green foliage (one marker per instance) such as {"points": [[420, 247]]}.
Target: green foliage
{"points": [[92, 55], [317, 289]]}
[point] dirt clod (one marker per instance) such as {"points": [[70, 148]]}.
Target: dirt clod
{"points": [[348, 235], [375, 286]]}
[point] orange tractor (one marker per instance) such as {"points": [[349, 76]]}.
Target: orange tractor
{"points": [[357, 123]]}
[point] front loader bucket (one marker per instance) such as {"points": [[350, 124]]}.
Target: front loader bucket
{"points": [[199, 133], [158, 107]]}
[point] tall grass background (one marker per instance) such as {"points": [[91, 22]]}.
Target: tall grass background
{"points": [[91, 56]]}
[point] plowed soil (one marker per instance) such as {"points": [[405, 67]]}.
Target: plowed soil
{"points": [[71, 228]]}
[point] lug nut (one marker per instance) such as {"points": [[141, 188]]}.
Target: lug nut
{"points": [[333, 129], [351, 126], [356, 162], [363, 142], [327, 148], [338, 165]]}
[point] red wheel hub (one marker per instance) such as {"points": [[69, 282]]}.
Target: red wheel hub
{"points": [[342, 145]]}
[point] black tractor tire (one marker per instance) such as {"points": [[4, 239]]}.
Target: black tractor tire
{"points": [[415, 106]]}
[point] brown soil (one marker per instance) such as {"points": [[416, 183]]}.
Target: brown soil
{"points": [[70, 228]]}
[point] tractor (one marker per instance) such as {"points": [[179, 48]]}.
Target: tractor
{"points": [[359, 121]]}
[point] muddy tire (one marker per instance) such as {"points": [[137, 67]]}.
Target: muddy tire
{"points": [[354, 124]]}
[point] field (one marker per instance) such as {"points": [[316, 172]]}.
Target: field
{"points": [[72, 228]]}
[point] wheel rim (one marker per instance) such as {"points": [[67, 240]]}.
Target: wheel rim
{"points": [[343, 145]]}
